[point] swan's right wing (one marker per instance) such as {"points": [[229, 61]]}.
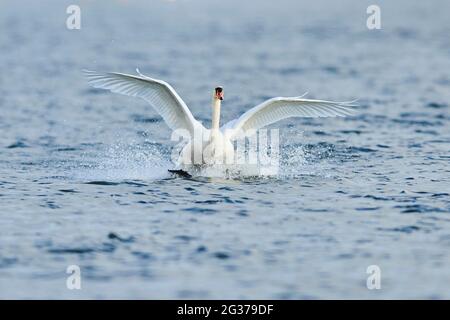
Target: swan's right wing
{"points": [[276, 109], [161, 96]]}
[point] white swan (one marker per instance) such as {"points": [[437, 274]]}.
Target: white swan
{"points": [[219, 148]]}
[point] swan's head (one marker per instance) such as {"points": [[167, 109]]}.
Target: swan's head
{"points": [[218, 93]]}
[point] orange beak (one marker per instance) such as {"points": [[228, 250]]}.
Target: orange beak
{"points": [[219, 93]]}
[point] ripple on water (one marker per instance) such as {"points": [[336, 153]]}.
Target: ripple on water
{"points": [[103, 183], [435, 105], [8, 262], [419, 208], [404, 229], [115, 236], [18, 144], [103, 248], [143, 119], [200, 210]]}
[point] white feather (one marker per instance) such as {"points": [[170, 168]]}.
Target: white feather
{"points": [[161, 96], [276, 109]]}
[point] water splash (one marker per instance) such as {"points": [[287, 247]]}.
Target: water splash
{"points": [[133, 161], [151, 161]]}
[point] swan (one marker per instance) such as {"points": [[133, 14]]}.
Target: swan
{"points": [[218, 149]]}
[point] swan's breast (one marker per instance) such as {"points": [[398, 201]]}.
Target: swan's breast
{"points": [[207, 151]]}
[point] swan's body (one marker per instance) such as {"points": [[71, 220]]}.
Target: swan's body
{"points": [[219, 148]]}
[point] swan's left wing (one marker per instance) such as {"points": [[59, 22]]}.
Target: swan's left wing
{"points": [[161, 96], [276, 109]]}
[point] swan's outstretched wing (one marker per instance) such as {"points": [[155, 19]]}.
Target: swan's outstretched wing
{"points": [[276, 109], [161, 96]]}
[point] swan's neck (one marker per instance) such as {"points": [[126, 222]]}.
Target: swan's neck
{"points": [[215, 115]]}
